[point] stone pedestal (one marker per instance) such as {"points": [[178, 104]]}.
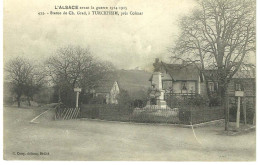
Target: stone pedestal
{"points": [[162, 104], [157, 106], [157, 82]]}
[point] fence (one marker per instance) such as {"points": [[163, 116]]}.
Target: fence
{"points": [[106, 111], [180, 94], [66, 113], [178, 101], [185, 115], [200, 114], [155, 115], [124, 113]]}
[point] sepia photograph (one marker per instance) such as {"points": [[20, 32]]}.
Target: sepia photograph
{"points": [[129, 80]]}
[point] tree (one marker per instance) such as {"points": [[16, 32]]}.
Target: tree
{"points": [[219, 35], [34, 83], [24, 77], [73, 66], [124, 98]]}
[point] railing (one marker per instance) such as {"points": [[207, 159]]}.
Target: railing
{"points": [[200, 114], [66, 113], [180, 94], [106, 112], [153, 114]]}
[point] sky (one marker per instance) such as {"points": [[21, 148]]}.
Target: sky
{"points": [[126, 41]]}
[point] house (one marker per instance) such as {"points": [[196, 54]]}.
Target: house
{"points": [[186, 79], [243, 80], [133, 81], [181, 79], [108, 90]]}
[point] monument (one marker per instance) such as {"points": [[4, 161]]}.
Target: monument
{"points": [[157, 92], [157, 106], [156, 95]]}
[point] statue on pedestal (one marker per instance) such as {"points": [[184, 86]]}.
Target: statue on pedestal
{"points": [[156, 93], [156, 106], [157, 65]]}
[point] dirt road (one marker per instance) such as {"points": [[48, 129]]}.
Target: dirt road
{"points": [[102, 140]]}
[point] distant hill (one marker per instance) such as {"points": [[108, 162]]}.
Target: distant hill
{"points": [[136, 82]]}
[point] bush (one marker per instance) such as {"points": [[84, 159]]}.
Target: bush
{"points": [[124, 98], [195, 115], [137, 103], [175, 101], [214, 100], [100, 99], [155, 116], [8, 100], [106, 111], [67, 95], [140, 99], [181, 101], [197, 100], [250, 112]]}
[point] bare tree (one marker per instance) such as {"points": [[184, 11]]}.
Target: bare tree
{"points": [[73, 66], [220, 35], [34, 83], [25, 80]]}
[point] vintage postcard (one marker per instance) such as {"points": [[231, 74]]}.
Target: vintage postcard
{"points": [[129, 80]]}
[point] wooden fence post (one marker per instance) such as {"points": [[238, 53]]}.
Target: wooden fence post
{"points": [[244, 110], [227, 101], [254, 118], [238, 113], [191, 117], [55, 117]]}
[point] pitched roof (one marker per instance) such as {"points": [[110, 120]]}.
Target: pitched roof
{"points": [[134, 81], [182, 71], [105, 86], [250, 73], [213, 74]]}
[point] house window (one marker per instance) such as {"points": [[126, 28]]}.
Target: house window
{"points": [[238, 87], [192, 89], [184, 85], [211, 86]]}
